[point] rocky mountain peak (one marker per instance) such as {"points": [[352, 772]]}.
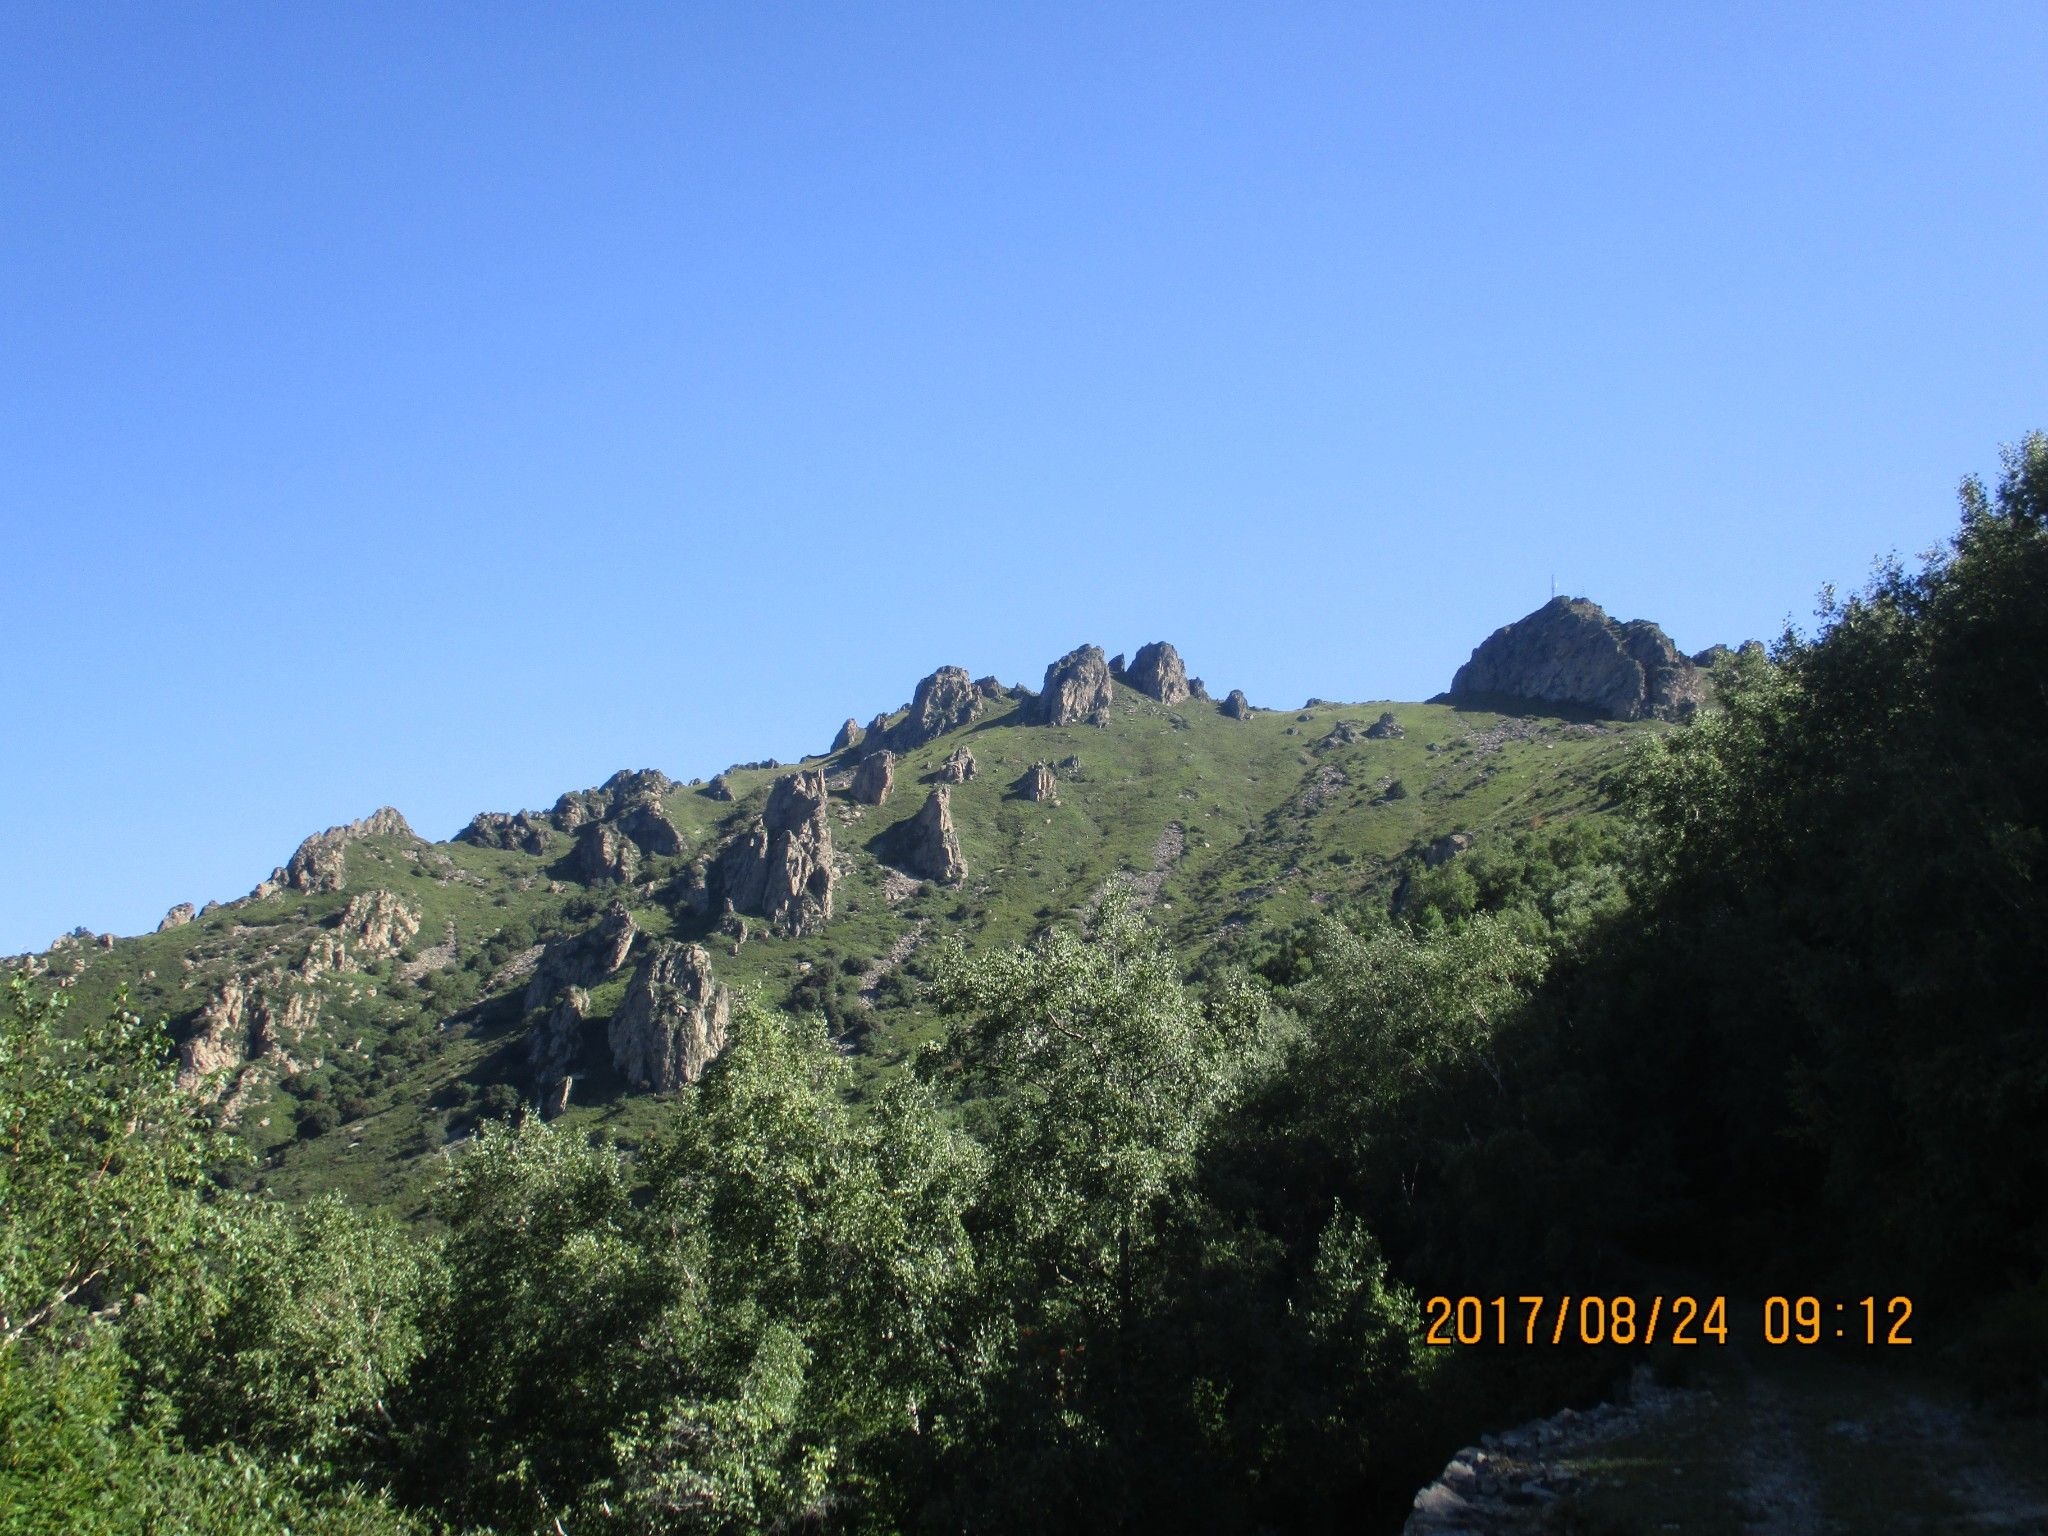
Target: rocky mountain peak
{"points": [[1157, 672], [321, 862], [944, 702], [1077, 689], [1570, 653]]}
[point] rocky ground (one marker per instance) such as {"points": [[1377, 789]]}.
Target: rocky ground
{"points": [[1765, 1444]]}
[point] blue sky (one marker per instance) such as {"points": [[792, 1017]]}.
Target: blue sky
{"points": [[445, 406]]}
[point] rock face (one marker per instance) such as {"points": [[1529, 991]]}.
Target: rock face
{"points": [[379, 922], [1446, 848], [611, 799], [1569, 652], [177, 917], [1077, 689], [944, 702], [495, 829], [321, 863], [720, 788], [673, 1020], [221, 1039], [603, 852], [782, 869], [958, 768], [926, 845], [554, 1039], [1197, 689], [1038, 783], [583, 959], [1237, 706], [874, 778], [1386, 728], [850, 735], [1156, 671]]}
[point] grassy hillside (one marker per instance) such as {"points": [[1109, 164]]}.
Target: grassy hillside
{"points": [[1235, 829]]}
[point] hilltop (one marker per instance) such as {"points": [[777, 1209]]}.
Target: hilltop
{"points": [[380, 992]]}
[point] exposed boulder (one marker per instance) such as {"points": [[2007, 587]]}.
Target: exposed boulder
{"points": [[782, 868], [611, 798], [1237, 706], [720, 788], [878, 730], [944, 702], [1116, 668], [1197, 689], [648, 825], [1156, 671], [926, 845], [321, 862], [673, 1020], [1386, 728], [603, 852], [1038, 783], [989, 688], [1077, 689], [379, 922], [177, 917], [958, 768], [1446, 848], [875, 777], [583, 959], [850, 735], [554, 1038], [495, 829], [1569, 652]]}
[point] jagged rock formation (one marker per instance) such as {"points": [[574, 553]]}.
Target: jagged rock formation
{"points": [[1156, 671], [321, 862], [554, 1039], [648, 825], [1385, 728], [782, 868], [720, 788], [850, 735], [611, 799], [603, 852], [1237, 706], [1039, 784], [958, 768], [177, 917], [1116, 668], [673, 1020], [878, 728], [1077, 689], [379, 922], [1197, 689], [874, 778], [1446, 848], [583, 959], [989, 688], [220, 1040], [495, 829], [926, 845], [1569, 652], [944, 702]]}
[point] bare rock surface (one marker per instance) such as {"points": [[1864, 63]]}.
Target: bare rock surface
{"points": [[1237, 706], [926, 845], [603, 852], [583, 959], [1039, 784], [850, 735], [1157, 672], [873, 780], [1077, 689], [1386, 728], [944, 702], [781, 869], [321, 862], [177, 917], [379, 922], [1570, 653], [673, 1021], [958, 768], [496, 829], [610, 799], [554, 1039]]}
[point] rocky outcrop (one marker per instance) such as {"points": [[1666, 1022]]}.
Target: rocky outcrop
{"points": [[321, 862], [958, 768], [379, 922], [873, 780], [220, 1039], [850, 735], [582, 959], [1039, 784], [1197, 689], [1446, 848], [1077, 689], [944, 702], [991, 689], [720, 788], [648, 825], [1386, 728], [611, 799], [782, 868], [603, 852], [177, 917], [926, 845], [1570, 653], [495, 829], [554, 1039], [1237, 706], [673, 1020], [1156, 671]]}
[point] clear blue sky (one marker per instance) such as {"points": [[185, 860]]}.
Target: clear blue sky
{"points": [[446, 406]]}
